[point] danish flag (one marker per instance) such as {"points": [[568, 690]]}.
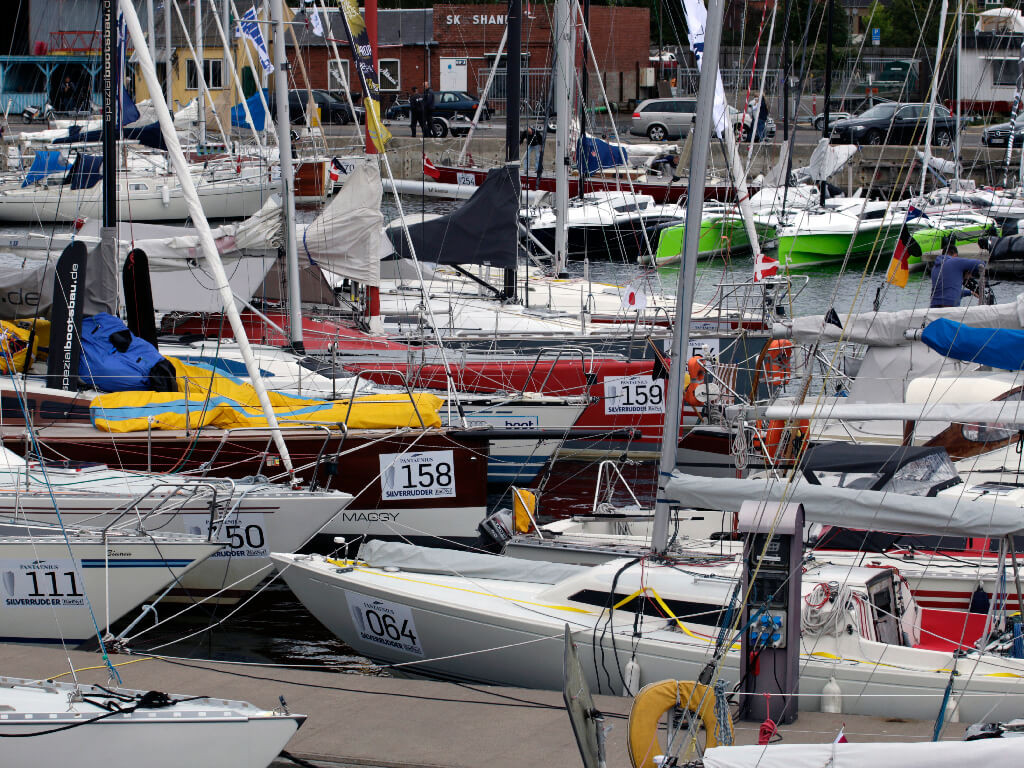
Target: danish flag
{"points": [[336, 169], [429, 169], [764, 266]]}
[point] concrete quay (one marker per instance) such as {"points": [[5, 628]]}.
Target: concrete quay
{"points": [[362, 720]]}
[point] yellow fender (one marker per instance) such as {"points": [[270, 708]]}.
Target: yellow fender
{"points": [[653, 701]]}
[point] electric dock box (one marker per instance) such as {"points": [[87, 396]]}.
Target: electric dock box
{"points": [[770, 641]]}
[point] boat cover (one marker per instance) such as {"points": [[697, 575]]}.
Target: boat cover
{"points": [[471, 565], [883, 460], [259, 115], [599, 154], [995, 347], [208, 398], [1009, 247], [114, 359], [992, 753], [87, 171], [1005, 412], [826, 159], [864, 509], [44, 162], [888, 329], [485, 230]]}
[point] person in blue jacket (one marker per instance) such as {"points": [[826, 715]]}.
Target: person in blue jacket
{"points": [[949, 272]]}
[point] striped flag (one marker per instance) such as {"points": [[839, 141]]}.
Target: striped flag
{"points": [[764, 267], [899, 268]]}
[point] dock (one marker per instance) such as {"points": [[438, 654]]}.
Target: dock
{"points": [[391, 722]]}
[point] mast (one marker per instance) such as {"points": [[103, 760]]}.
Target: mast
{"points": [[110, 82], [930, 123], [564, 78], [195, 211], [200, 75], [688, 270], [513, 30], [168, 75], [284, 143], [826, 128], [585, 88]]}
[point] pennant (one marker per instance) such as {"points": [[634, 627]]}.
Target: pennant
{"points": [[336, 169], [899, 268], [833, 319], [313, 18], [841, 738], [764, 267], [249, 27], [359, 42], [696, 21], [429, 169]]}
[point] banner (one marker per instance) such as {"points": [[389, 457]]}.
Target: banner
{"points": [[249, 27], [696, 21], [314, 18], [362, 53]]}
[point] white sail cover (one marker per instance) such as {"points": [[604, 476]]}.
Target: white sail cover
{"points": [[827, 158], [889, 329], [991, 753], [867, 510], [1004, 412], [347, 237]]}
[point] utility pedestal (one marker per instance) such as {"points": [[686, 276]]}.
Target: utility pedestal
{"points": [[772, 559]]}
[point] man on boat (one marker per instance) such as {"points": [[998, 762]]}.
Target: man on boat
{"points": [[416, 112], [949, 275]]}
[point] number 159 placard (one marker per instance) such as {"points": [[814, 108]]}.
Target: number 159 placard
{"points": [[426, 474]]}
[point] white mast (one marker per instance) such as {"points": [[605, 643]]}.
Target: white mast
{"points": [[195, 211], [565, 78], [688, 271], [200, 74], [284, 143], [926, 160]]}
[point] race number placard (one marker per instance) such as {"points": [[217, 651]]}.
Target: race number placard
{"points": [[243, 533], [465, 179], [423, 475], [384, 623], [40, 582], [633, 394]]}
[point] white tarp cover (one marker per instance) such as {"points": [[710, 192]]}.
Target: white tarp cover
{"points": [[991, 753], [347, 237], [827, 158], [451, 562], [1007, 412], [888, 328], [776, 177], [867, 510]]}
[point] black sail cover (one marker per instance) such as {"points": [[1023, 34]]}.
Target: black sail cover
{"points": [[483, 231]]}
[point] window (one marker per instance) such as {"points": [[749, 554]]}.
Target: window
{"points": [[1004, 72], [449, 98], [212, 70], [390, 74], [337, 75], [909, 113]]}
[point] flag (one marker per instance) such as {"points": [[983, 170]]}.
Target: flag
{"points": [[127, 112], [313, 18], [661, 364], [764, 267], [362, 53], [429, 169], [336, 169], [696, 21], [833, 319], [841, 737], [249, 27], [899, 268], [634, 298]]}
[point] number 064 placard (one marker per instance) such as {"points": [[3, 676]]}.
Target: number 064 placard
{"points": [[422, 475]]}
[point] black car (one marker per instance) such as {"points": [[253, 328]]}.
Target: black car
{"points": [[332, 110], [893, 123], [446, 104], [996, 135]]}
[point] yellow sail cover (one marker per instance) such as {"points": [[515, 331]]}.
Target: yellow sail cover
{"points": [[208, 397]]}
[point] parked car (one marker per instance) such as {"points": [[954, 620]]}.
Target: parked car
{"points": [[818, 121], [895, 123], [997, 135], [661, 119], [332, 110], [446, 104]]}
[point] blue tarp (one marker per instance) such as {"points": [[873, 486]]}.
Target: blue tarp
{"points": [[87, 171], [598, 154], [996, 347], [113, 359], [43, 164], [255, 109]]}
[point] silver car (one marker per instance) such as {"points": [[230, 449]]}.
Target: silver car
{"points": [[660, 119]]}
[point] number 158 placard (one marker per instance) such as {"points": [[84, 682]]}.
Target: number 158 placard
{"points": [[426, 474]]}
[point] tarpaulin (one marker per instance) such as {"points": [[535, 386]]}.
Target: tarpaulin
{"points": [[599, 154], [996, 347]]}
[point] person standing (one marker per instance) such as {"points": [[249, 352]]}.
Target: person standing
{"points": [[66, 96], [949, 275], [415, 110], [428, 110], [534, 141]]}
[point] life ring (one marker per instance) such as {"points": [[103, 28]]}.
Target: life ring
{"points": [[695, 370], [653, 701], [777, 362], [775, 435]]}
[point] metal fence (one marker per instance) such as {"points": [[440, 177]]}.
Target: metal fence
{"points": [[533, 89]]}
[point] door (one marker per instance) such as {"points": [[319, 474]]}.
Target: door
{"points": [[454, 74], [905, 125]]}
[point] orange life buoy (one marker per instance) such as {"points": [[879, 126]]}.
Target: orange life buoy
{"points": [[692, 395], [778, 362], [774, 437]]}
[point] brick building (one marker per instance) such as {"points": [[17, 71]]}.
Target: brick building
{"points": [[453, 46]]}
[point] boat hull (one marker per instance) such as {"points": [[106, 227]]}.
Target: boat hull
{"points": [[813, 249]]}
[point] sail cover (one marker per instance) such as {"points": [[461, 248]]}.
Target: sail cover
{"points": [[598, 154], [995, 347], [259, 115], [992, 753], [44, 162], [485, 230]]}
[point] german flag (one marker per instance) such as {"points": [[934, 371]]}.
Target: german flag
{"points": [[899, 269]]}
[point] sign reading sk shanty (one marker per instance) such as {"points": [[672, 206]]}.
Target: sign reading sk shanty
{"points": [[477, 18], [422, 475]]}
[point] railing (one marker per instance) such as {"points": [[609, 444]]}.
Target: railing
{"points": [[75, 41]]}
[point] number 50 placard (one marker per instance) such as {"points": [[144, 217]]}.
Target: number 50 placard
{"points": [[427, 474]]}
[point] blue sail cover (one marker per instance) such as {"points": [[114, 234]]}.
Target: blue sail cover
{"points": [[255, 109], [598, 154], [995, 347], [44, 163], [87, 171]]}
